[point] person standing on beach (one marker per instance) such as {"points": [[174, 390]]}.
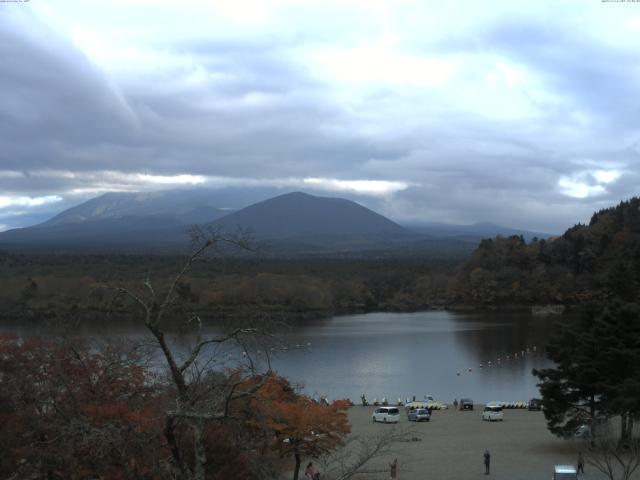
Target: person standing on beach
{"points": [[311, 472], [487, 462], [580, 468], [455, 403], [394, 469]]}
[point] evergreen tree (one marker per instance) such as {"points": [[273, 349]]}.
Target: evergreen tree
{"points": [[572, 390], [618, 330], [597, 372]]}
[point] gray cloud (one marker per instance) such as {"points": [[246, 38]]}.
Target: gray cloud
{"points": [[533, 101]]}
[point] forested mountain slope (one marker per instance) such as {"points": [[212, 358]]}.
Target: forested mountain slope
{"points": [[588, 262]]}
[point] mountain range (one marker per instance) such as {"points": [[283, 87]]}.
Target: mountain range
{"points": [[289, 224]]}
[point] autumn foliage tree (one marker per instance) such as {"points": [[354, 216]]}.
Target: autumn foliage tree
{"points": [[67, 411], [301, 426]]}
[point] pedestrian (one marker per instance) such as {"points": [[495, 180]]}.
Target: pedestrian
{"points": [[455, 403], [311, 472], [580, 468], [487, 462], [393, 475]]}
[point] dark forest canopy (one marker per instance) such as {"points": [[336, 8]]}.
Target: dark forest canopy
{"points": [[588, 262], [56, 287]]}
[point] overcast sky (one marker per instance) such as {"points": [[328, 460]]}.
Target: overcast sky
{"points": [[525, 114]]}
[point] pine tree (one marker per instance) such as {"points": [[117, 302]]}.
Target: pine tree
{"points": [[597, 372]]}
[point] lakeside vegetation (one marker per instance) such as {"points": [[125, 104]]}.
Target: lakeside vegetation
{"points": [[47, 287], [594, 262]]}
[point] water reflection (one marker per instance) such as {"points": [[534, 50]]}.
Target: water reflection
{"points": [[436, 353], [394, 355]]}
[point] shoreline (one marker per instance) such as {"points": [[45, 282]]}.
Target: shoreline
{"points": [[214, 317]]}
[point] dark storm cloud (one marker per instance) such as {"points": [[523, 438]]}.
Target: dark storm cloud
{"points": [[251, 109], [51, 97]]}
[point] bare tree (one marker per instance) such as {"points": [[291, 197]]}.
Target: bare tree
{"points": [[616, 459], [201, 394], [358, 458]]}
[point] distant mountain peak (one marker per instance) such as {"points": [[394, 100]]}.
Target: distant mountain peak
{"points": [[298, 214]]}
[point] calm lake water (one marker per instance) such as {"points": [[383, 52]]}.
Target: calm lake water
{"points": [[436, 353], [401, 354]]}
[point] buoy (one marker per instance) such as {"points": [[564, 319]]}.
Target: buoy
{"points": [[458, 373]]}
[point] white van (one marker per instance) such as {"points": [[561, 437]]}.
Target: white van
{"points": [[386, 415], [565, 472], [492, 412]]}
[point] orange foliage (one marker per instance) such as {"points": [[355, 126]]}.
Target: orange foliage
{"points": [[301, 425], [75, 413]]}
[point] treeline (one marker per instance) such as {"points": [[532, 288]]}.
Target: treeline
{"points": [[594, 262], [51, 287]]}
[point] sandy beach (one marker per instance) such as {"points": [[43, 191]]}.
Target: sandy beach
{"points": [[452, 444]]}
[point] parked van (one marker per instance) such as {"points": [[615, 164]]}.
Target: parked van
{"points": [[535, 404], [565, 472], [492, 412], [466, 404], [386, 415]]}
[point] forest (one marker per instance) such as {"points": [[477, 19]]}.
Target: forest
{"points": [[48, 288], [593, 262]]}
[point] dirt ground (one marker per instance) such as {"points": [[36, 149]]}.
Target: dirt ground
{"points": [[453, 442]]}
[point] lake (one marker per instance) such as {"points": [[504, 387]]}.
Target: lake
{"points": [[437, 353], [393, 355]]}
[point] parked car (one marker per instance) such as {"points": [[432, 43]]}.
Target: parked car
{"points": [[583, 431], [386, 415], [535, 404], [565, 472], [418, 415], [492, 412], [466, 404]]}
